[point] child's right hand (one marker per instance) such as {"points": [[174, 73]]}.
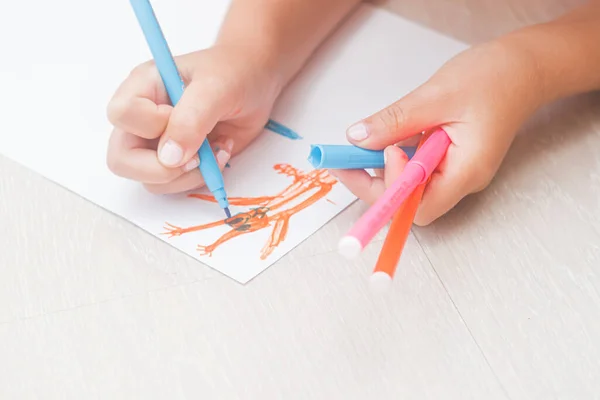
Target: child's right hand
{"points": [[229, 93]]}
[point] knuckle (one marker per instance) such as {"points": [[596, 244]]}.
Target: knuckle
{"points": [[421, 222], [214, 83], [481, 174], [423, 218], [142, 69], [161, 175], [481, 184], [114, 164], [117, 108], [392, 118], [166, 176]]}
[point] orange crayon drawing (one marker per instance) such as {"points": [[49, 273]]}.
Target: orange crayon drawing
{"points": [[306, 189]]}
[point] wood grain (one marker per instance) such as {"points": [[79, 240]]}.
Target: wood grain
{"points": [[93, 308], [520, 260], [475, 21]]}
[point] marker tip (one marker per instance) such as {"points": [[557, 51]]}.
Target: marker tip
{"points": [[227, 212]]}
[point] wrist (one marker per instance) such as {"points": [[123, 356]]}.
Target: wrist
{"points": [[540, 69], [523, 83], [259, 55], [564, 53], [283, 33]]}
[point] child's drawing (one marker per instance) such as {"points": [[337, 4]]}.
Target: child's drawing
{"points": [[306, 189]]}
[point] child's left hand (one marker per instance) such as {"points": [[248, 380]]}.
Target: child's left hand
{"points": [[480, 98]]}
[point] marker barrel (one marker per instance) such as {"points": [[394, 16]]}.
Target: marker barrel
{"points": [[416, 172], [175, 87], [330, 156]]}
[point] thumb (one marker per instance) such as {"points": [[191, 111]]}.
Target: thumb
{"points": [[193, 118], [462, 172], [418, 111]]}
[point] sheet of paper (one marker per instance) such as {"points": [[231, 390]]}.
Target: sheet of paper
{"points": [[66, 58]]}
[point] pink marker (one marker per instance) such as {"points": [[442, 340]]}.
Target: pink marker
{"points": [[417, 171]]}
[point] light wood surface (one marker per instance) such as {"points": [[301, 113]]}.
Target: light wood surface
{"points": [[497, 300], [474, 21]]}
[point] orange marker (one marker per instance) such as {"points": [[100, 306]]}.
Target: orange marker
{"points": [[389, 257]]}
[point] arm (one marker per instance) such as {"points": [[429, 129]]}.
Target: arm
{"points": [[285, 32], [481, 97], [565, 52]]}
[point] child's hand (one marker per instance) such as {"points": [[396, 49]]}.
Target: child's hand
{"points": [[480, 98], [229, 93]]}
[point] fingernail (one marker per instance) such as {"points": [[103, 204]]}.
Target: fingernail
{"points": [[332, 172], [223, 157], [385, 155], [358, 132], [192, 164], [171, 153], [229, 145]]}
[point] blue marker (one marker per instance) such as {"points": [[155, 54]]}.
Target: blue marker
{"points": [[328, 156], [282, 130], [175, 87]]}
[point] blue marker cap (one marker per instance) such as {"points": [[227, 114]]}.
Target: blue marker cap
{"points": [[329, 156]]}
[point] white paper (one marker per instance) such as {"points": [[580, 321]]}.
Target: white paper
{"points": [[62, 61]]}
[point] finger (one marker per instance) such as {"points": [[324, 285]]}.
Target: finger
{"points": [[128, 159], [369, 188], [361, 184], [244, 130], [192, 179], [455, 178], [395, 161], [418, 111], [140, 104], [202, 105]]}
